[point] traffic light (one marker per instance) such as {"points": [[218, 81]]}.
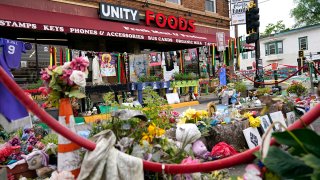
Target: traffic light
{"points": [[301, 54], [252, 38], [252, 19]]}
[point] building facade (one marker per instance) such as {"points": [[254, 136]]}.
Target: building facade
{"points": [[130, 26], [284, 47]]}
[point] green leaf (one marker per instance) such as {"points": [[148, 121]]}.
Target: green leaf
{"points": [[52, 81], [58, 70], [312, 161], [286, 165], [77, 94], [309, 139]]}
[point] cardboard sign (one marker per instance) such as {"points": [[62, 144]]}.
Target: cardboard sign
{"points": [[173, 98], [252, 137]]}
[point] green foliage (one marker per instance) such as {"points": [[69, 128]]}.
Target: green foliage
{"points": [[274, 28], [148, 79], [240, 87], [109, 99], [263, 91], [35, 85], [50, 138], [297, 88], [117, 126], [302, 161], [154, 105], [307, 12], [184, 77]]}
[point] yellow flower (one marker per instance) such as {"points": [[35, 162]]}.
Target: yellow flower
{"points": [[182, 120], [146, 137], [155, 131], [190, 113], [247, 115], [254, 122], [202, 113], [152, 129], [159, 132]]}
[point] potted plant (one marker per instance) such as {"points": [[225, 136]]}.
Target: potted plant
{"points": [[263, 91], [297, 89], [240, 87]]}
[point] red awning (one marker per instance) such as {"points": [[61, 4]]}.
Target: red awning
{"points": [[18, 17]]}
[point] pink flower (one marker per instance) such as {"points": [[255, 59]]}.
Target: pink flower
{"points": [[66, 77], [175, 114], [44, 75], [44, 91], [51, 68], [189, 160], [80, 64]]}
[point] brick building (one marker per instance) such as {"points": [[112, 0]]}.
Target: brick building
{"points": [[78, 24]]}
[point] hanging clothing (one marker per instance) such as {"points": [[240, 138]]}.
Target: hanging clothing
{"points": [[10, 58], [106, 162], [96, 74], [169, 60]]}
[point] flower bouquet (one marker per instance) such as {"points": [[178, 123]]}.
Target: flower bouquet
{"points": [[65, 81]]}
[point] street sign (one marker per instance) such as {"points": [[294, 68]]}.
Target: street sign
{"points": [[274, 66], [238, 11], [221, 41]]}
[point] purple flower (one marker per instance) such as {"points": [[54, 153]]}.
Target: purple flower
{"points": [[32, 140], [15, 141]]}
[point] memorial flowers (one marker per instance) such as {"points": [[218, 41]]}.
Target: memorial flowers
{"points": [[65, 81]]}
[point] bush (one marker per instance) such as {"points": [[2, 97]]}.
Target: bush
{"points": [[263, 91], [240, 87], [148, 79], [297, 88]]}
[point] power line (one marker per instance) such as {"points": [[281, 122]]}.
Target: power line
{"points": [[264, 1]]}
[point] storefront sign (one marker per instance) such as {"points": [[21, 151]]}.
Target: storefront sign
{"points": [[118, 13], [238, 11], [124, 31], [172, 22], [221, 41]]}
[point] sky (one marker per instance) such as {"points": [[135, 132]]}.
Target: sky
{"points": [[271, 11]]}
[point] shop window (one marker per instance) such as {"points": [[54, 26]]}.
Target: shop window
{"points": [[245, 55], [174, 1], [303, 43], [273, 48], [253, 54], [211, 5], [29, 71]]}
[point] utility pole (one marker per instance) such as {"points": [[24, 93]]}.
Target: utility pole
{"points": [[310, 72], [252, 28], [259, 69]]}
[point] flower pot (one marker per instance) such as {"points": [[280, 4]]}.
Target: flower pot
{"points": [[68, 152]]}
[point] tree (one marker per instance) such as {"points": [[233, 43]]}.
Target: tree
{"points": [[274, 28], [307, 12]]}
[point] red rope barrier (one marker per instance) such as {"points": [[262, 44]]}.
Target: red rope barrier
{"points": [[273, 83], [240, 158], [317, 71]]}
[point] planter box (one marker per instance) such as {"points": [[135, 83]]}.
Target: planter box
{"points": [[189, 83], [21, 170], [154, 85]]}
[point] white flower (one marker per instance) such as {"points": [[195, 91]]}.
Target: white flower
{"points": [[66, 65], [79, 78]]}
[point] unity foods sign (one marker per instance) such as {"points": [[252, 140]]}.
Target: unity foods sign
{"points": [[118, 13]]}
